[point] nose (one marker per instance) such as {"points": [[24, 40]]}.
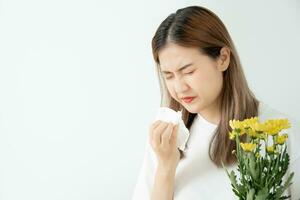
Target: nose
{"points": [[180, 85]]}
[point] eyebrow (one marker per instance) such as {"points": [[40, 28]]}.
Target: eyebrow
{"points": [[180, 69]]}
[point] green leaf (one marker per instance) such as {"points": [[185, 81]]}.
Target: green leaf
{"points": [[233, 179], [253, 168], [281, 190], [250, 194], [262, 194]]}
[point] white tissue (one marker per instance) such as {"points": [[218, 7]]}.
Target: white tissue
{"points": [[168, 115]]}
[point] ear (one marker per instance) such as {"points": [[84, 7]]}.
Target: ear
{"points": [[224, 59]]}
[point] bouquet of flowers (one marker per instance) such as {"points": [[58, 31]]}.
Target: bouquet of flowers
{"points": [[262, 159]]}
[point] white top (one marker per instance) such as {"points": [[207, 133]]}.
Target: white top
{"points": [[196, 175]]}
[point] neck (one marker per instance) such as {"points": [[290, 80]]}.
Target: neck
{"points": [[212, 113]]}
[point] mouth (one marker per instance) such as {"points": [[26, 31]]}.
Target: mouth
{"points": [[188, 99]]}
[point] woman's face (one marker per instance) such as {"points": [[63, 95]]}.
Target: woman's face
{"points": [[201, 78]]}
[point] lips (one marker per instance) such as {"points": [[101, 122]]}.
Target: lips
{"points": [[188, 99]]}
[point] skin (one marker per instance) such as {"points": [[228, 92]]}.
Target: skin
{"points": [[163, 137], [202, 80]]}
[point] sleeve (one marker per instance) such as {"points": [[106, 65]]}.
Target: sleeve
{"points": [[145, 180]]}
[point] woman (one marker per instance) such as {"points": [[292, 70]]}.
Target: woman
{"points": [[200, 73]]}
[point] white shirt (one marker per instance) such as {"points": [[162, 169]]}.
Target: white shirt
{"points": [[196, 175]]}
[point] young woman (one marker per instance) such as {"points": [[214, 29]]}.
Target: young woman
{"points": [[200, 73]]}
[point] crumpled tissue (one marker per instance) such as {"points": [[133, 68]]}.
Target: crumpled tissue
{"points": [[168, 115]]}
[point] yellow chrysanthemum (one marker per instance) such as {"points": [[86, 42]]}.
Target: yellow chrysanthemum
{"points": [[232, 135], [281, 139], [251, 132], [248, 146], [274, 126], [259, 127], [253, 128], [250, 122], [236, 124], [270, 149]]}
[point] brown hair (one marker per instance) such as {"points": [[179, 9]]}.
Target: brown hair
{"points": [[196, 26]]}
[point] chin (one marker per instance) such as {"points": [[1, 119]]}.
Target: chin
{"points": [[196, 108], [191, 109]]}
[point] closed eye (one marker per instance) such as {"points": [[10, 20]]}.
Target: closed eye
{"points": [[190, 72], [168, 77]]}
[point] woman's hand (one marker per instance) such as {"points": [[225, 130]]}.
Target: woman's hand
{"points": [[163, 139]]}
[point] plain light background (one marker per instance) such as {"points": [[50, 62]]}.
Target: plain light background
{"points": [[78, 89]]}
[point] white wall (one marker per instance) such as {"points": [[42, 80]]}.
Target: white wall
{"points": [[78, 88]]}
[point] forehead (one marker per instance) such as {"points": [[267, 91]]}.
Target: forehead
{"points": [[173, 57]]}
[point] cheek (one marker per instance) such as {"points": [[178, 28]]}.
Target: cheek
{"points": [[171, 90], [215, 85], [208, 84]]}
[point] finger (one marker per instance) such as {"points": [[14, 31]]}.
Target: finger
{"points": [[158, 131], [165, 137], [173, 139], [153, 126]]}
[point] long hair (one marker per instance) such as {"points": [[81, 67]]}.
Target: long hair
{"points": [[196, 26]]}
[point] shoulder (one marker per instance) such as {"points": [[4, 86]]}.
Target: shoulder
{"points": [[267, 112]]}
